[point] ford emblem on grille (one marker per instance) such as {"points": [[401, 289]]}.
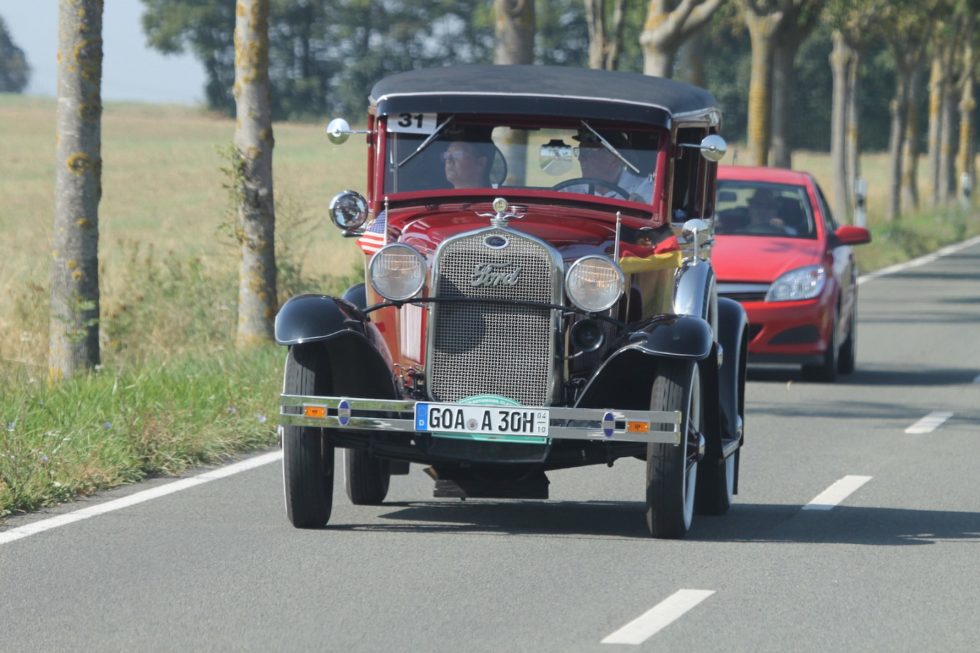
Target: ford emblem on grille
{"points": [[495, 242], [495, 274]]}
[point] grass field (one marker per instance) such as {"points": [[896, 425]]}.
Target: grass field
{"points": [[172, 391]]}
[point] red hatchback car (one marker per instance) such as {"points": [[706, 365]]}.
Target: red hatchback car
{"points": [[780, 253]]}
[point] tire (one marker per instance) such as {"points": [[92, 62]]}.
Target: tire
{"points": [[847, 359], [825, 371], [307, 456], [716, 485], [368, 477], [671, 476]]}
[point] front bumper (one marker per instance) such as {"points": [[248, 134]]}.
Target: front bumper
{"points": [[398, 416]]}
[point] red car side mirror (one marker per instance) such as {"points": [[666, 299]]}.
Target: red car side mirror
{"points": [[851, 235]]}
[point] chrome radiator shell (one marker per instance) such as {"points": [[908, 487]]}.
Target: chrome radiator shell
{"points": [[482, 347]]}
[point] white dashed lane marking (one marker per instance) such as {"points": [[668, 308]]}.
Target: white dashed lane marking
{"points": [[658, 617], [836, 493], [929, 423]]}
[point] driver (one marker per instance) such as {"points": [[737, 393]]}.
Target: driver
{"points": [[599, 163], [762, 214]]}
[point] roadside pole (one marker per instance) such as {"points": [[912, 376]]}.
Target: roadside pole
{"points": [[860, 199]]}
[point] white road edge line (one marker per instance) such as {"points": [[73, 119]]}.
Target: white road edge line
{"points": [[929, 423], [836, 493], [922, 260], [139, 497], [658, 617]]}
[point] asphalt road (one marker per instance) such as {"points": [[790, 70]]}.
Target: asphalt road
{"points": [[891, 562]]}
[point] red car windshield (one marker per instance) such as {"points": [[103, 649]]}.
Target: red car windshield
{"points": [[441, 152], [751, 208]]}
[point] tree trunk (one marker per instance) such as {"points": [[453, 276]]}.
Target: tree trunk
{"points": [[936, 77], [782, 92], [967, 174], [761, 31], [840, 62], [605, 43], [947, 139], [668, 25], [515, 26], [257, 301], [852, 129], [899, 113], [691, 57], [73, 344], [910, 166], [595, 19]]}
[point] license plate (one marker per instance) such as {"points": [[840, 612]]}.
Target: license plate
{"points": [[481, 420]]}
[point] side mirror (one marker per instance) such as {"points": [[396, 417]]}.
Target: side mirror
{"points": [[348, 210], [851, 235], [338, 131], [713, 147]]}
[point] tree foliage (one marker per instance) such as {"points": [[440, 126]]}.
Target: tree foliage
{"points": [[15, 73]]}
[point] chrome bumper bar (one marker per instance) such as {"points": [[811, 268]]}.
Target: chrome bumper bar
{"points": [[596, 424]]}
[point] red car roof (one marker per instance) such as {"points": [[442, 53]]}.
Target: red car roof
{"points": [[755, 173]]}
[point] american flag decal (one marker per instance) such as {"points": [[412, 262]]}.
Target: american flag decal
{"points": [[373, 238]]}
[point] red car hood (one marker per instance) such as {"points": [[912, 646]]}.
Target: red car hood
{"points": [[756, 259], [575, 231]]}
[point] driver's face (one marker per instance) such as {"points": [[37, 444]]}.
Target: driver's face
{"points": [[598, 162]]}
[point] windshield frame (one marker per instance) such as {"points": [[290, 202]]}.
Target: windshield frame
{"points": [[658, 153]]}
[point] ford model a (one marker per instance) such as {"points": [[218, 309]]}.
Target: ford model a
{"points": [[538, 296]]}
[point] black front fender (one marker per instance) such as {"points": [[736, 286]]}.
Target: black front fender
{"points": [[307, 319], [625, 377], [314, 318]]}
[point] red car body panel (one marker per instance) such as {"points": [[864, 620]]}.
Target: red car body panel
{"points": [[787, 331]]}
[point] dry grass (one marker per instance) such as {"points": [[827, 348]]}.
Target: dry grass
{"points": [[163, 199]]}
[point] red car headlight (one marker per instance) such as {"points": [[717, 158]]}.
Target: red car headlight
{"points": [[802, 283]]}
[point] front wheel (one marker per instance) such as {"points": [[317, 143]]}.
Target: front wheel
{"points": [[826, 370], [847, 360], [307, 455], [672, 470]]}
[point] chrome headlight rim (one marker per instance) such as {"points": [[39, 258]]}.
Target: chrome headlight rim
{"points": [[380, 256], [348, 210], [792, 279], [578, 301]]}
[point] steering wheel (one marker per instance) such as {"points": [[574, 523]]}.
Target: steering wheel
{"points": [[591, 183]]}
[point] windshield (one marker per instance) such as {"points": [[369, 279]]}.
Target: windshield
{"points": [[752, 208], [444, 152]]}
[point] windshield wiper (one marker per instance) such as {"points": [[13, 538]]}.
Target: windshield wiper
{"points": [[426, 142], [606, 144]]}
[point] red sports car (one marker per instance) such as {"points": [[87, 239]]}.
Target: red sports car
{"points": [[780, 253]]}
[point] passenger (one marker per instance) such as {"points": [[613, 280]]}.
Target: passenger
{"points": [[467, 164], [599, 163]]}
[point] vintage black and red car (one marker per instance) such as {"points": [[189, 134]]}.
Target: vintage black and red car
{"points": [[539, 295]]}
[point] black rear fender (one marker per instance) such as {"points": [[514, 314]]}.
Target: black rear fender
{"points": [[733, 329]]}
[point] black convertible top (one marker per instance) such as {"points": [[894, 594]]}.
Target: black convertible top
{"points": [[545, 90]]}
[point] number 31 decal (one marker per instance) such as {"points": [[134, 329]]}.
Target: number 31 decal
{"points": [[412, 123]]}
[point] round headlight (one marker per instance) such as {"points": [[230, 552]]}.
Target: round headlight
{"points": [[397, 272], [348, 210], [594, 283]]}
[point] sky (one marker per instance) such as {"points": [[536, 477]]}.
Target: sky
{"points": [[130, 69]]}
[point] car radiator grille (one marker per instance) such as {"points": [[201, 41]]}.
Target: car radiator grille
{"points": [[491, 348]]}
